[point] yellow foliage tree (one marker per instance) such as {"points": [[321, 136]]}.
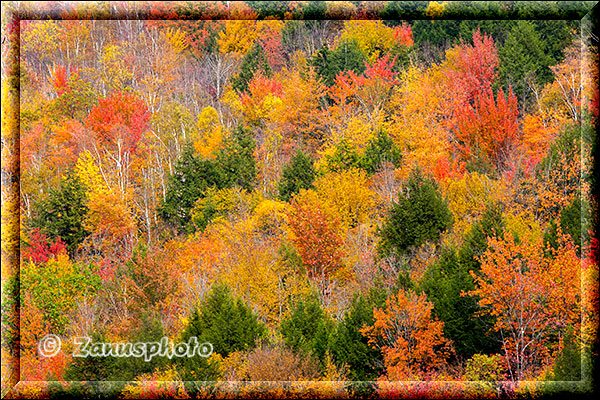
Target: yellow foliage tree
{"points": [[250, 266], [419, 110], [374, 38], [209, 137], [114, 74], [238, 37], [467, 197], [90, 174], [111, 219], [177, 39], [435, 9], [347, 195], [298, 112]]}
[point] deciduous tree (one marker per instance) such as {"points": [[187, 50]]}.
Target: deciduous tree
{"points": [[410, 338], [532, 296]]}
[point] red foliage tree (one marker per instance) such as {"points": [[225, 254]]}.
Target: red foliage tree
{"points": [[270, 40], [369, 90], [120, 120], [316, 237], [471, 69], [403, 34], [489, 128], [59, 77], [40, 248]]}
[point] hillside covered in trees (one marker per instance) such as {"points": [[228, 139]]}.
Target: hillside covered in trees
{"points": [[337, 196]]}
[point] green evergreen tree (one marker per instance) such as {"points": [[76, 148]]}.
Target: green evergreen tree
{"points": [[567, 365], [254, 61], [523, 57], [350, 347], [225, 322], [298, 174], [314, 10], [113, 368], [395, 12], [347, 56], [191, 177], [379, 150], [556, 35], [308, 328], [236, 160], [92, 368], [569, 222], [420, 214], [439, 34], [447, 279], [61, 215]]}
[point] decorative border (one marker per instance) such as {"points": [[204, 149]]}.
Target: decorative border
{"points": [[14, 12]]}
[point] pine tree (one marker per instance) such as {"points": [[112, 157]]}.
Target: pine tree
{"points": [[567, 365], [308, 328], [61, 215], [379, 150], [350, 347], [236, 160], [569, 222], [344, 157], [448, 278], [298, 174], [419, 215], [522, 55], [191, 177], [225, 322], [347, 56], [254, 61]]}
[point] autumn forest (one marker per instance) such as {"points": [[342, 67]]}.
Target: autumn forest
{"points": [[342, 198]]}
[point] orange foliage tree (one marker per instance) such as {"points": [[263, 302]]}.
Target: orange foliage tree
{"points": [[316, 236], [369, 91], [534, 296], [410, 338]]}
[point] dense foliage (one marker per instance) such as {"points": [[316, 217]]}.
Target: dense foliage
{"points": [[336, 195]]}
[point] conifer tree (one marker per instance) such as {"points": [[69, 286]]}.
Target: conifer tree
{"points": [[191, 177], [308, 328], [419, 215], [61, 215], [298, 174]]}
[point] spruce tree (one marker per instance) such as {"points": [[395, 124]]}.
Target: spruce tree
{"points": [[347, 56], [298, 174], [523, 55], [308, 328], [61, 215], [225, 322], [350, 347], [191, 177], [380, 149], [567, 365], [236, 160], [419, 215], [254, 61], [448, 278]]}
